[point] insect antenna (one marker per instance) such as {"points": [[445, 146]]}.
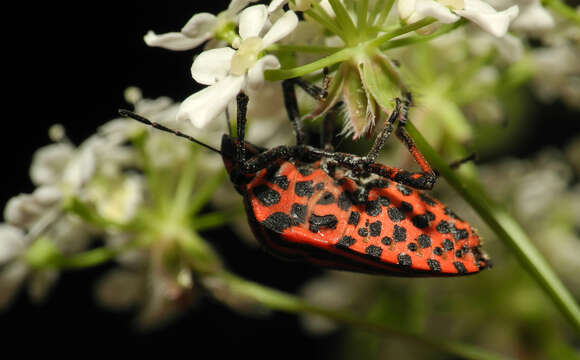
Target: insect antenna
{"points": [[158, 126]]}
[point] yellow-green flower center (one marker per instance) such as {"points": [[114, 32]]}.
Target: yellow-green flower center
{"points": [[247, 55]]}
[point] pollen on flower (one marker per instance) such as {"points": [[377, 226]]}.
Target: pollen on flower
{"points": [[246, 55]]}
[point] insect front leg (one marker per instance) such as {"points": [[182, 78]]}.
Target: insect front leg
{"points": [[266, 158]]}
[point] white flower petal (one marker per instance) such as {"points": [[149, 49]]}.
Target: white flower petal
{"points": [[493, 21], [275, 5], [203, 106], [82, 167], [256, 72], [426, 8], [510, 48], [533, 18], [212, 65], [12, 242], [49, 162], [252, 21], [406, 8], [200, 25], [174, 40], [281, 28], [238, 5]]}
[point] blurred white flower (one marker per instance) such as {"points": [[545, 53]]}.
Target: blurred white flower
{"points": [[201, 27], [228, 71], [533, 18], [449, 11]]}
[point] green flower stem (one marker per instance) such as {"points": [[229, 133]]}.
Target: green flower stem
{"points": [[344, 21], [507, 229], [384, 11], [281, 301], [319, 15], [204, 193], [344, 54], [337, 57], [88, 258], [415, 39], [362, 11], [185, 185], [560, 7], [214, 219], [400, 31], [304, 48]]}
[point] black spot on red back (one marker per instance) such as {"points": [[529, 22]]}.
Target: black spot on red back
{"points": [[373, 208], [266, 195], [363, 232], [345, 242], [447, 245], [420, 221], [460, 267], [326, 198], [322, 221], [354, 218], [373, 251], [304, 188], [399, 233], [404, 260], [277, 222], [375, 228], [405, 207], [434, 265], [395, 214], [387, 240], [424, 241]]}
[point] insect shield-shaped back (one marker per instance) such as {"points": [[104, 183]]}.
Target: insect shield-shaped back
{"points": [[233, 165]]}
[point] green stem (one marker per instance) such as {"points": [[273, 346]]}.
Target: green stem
{"points": [[415, 39], [337, 57], [400, 31], [507, 229], [281, 301], [344, 21], [563, 9], [320, 16], [384, 12], [205, 192], [304, 48], [88, 258], [214, 219]]}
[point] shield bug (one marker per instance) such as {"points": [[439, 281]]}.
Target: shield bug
{"points": [[343, 211]]}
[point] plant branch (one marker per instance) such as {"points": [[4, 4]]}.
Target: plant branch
{"points": [[281, 301]]}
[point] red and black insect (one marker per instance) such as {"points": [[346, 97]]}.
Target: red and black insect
{"points": [[343, 211]]}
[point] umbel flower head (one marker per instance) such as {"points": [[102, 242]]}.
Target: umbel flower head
{"points": [[227, 71]]}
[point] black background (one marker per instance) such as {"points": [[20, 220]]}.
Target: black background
{"points": [[70, 65]]}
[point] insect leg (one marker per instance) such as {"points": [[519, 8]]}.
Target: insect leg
{"points": [[264, 159], [242, 102], [428, 174], [385, 132], [291, 104]]}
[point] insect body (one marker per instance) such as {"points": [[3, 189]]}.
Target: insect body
{"points": [[298, 209], [342, 211]]}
